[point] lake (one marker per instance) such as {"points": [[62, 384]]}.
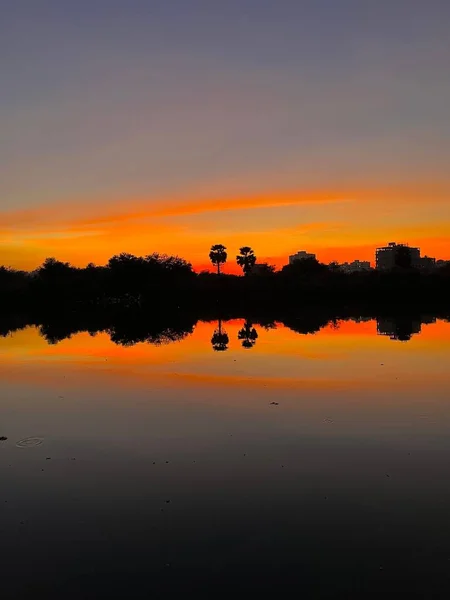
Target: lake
{"points": [[237, 458]]}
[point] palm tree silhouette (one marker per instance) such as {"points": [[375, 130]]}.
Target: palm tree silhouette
{"points": [[220, 339], [218, 256], [246, 259], [248, 335]]}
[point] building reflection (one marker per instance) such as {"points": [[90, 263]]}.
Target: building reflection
{"points": [[401, 328]]}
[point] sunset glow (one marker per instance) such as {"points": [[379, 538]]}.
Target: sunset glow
{"points": [[225, 298], [338, 226], [178, 130]]}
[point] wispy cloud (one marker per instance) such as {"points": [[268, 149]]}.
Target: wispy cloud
{"points": [[81, 215], [339, 225]]}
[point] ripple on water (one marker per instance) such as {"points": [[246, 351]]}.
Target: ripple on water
{"points": [[29, 442]]}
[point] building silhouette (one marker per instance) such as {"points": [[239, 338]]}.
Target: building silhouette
{"points": [[301, 255], [355, 266], [442, 263], [402, 328], [397, 255], [427, 263]]}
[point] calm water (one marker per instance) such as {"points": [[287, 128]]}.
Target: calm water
{"points": [[319, 463]]}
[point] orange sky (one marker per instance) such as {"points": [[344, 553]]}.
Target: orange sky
{"points": [[337, 225], [318, 126]]}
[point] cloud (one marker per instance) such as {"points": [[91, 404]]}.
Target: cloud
{"points": [[97, 213], [121, 213], [340, 225]]}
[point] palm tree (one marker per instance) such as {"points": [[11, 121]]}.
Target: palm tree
{"points": [[220, 339], [246, 259], [218, 256]]}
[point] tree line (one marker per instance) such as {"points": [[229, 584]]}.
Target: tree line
{"points": [[161, 281]]}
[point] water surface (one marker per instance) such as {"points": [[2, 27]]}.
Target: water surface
{"points": [[318, 461]]}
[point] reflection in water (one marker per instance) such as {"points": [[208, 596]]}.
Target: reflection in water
{"points": [[167, 469], [401, 328], [248, 335], [151, 335], [123, 329], [307, 323], [220, 339], [130, 328]]}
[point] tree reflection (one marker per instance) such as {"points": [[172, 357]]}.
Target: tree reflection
{"points": [[306, 323], [150, 335], [220, 339], [127, 327], [248, 335], [124, 329]]}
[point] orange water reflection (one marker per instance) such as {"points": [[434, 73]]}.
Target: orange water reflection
{"points": [[347, 356], [304, 434]]}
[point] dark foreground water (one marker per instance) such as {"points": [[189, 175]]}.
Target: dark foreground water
{"points": [[314, 466]]}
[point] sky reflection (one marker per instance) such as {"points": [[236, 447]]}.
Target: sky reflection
{"points": [[319, 451]]}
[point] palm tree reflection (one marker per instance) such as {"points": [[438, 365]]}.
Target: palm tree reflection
{"points": [[220, 339], [248, 335]]}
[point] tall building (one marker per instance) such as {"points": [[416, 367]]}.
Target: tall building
{"points": [[301, 255], [397, 255]]}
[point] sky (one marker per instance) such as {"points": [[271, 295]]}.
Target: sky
{"points": [[153, 125]]}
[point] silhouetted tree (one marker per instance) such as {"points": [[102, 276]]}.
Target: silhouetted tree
{"points": [[12, 280], [133, 278], [52, 269], [334, 266], [246, 259], [172, 266], [262, 269], [56, 281], [305, 268], [220, 339], [127, 275], [248, 335], [218, 256]]}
